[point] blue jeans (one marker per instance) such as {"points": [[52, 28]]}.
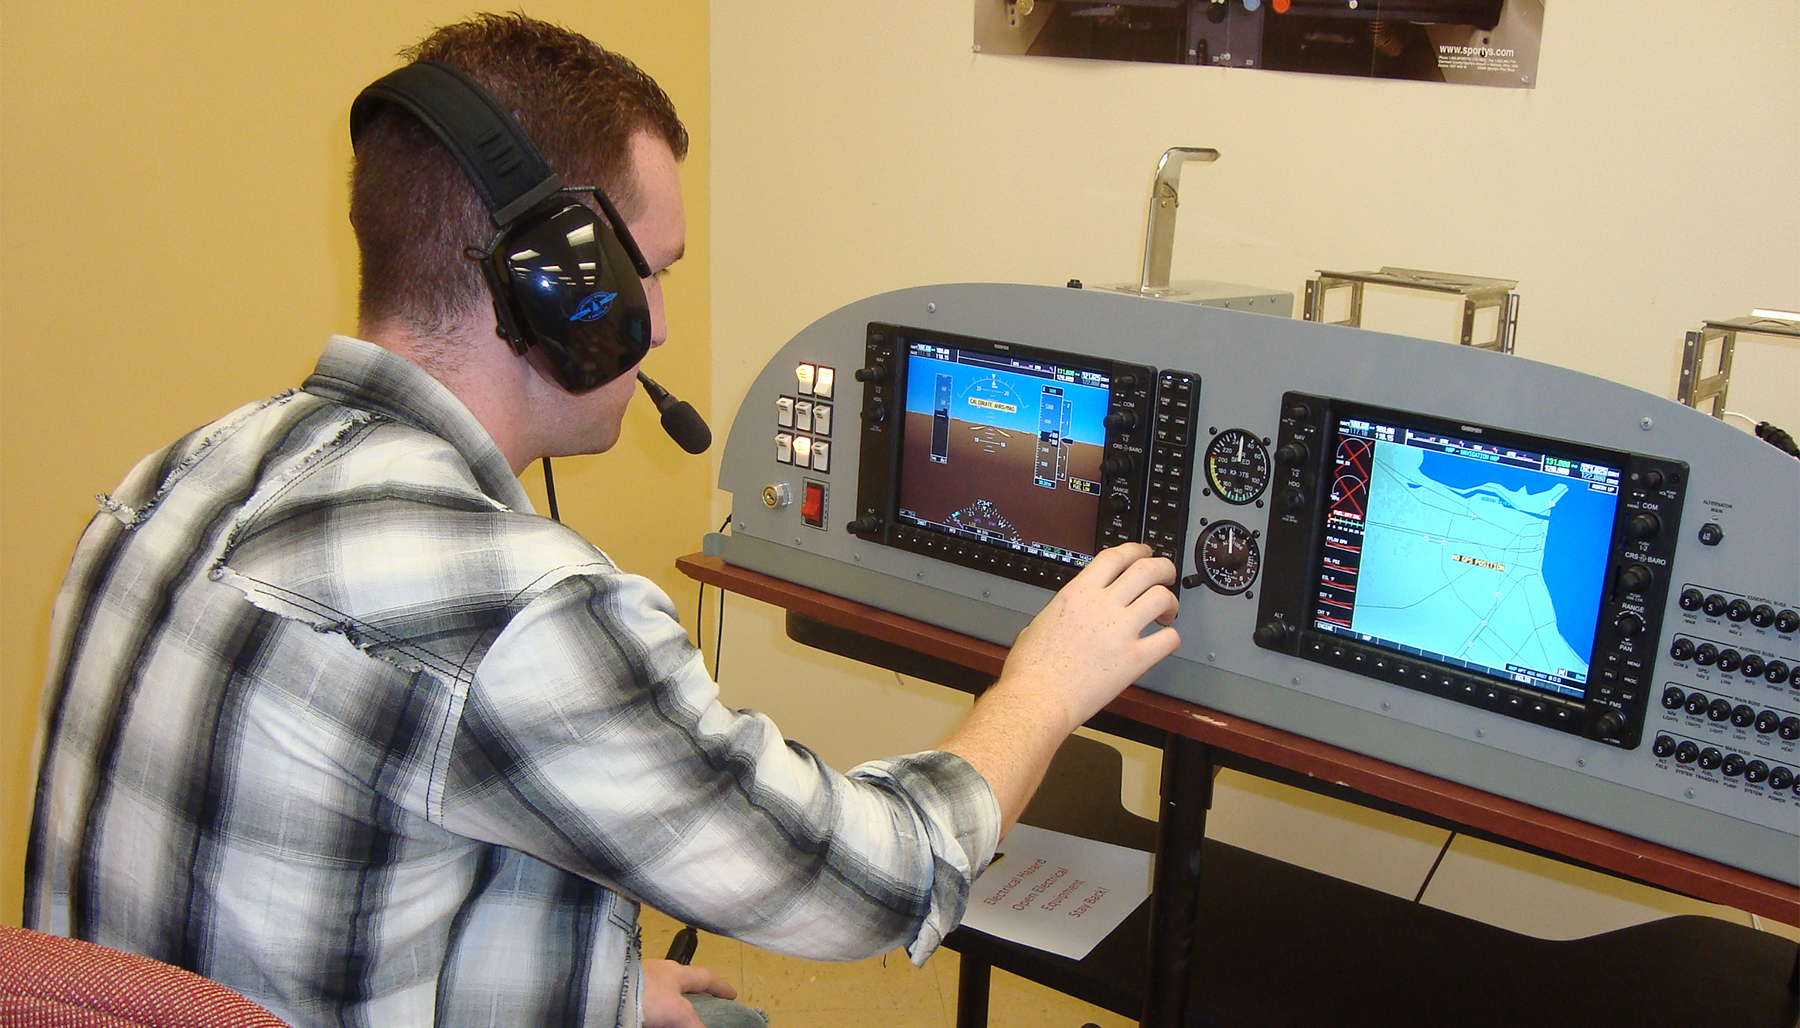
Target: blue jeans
{"points": [[724, 1013]]}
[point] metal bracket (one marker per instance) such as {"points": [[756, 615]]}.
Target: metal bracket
{"points": [[1696, 387], [1478, 294]]}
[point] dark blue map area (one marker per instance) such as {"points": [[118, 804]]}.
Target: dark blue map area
{"points": [[1484, 562]]}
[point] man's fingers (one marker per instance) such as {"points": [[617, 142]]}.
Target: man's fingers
{"points": [[1157, 603], [701, 979], [1141, 576], [1109, 563]]}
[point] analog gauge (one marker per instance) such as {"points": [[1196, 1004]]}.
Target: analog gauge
{"points": [[1228, 557], [1237, 466]]}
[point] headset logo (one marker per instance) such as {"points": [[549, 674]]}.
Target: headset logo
{"points": [[594, 307]]}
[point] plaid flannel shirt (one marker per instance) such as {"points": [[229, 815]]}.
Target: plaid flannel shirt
{"points": [[333, 718]]}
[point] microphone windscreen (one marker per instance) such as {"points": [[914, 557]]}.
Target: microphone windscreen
{"points": [[685, 425]]}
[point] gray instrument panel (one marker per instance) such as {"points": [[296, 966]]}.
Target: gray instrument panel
{"points": [[1738, 540]]}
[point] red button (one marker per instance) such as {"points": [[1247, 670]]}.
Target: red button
{"points": [[812, 505]]}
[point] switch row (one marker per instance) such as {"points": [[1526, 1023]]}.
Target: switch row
{"points": [[1705, 654], [1719, 709], [1762, 615], [815, 380], [803, 451], [1731, 765], [803, 415]]}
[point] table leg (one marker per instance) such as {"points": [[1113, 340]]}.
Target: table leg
{"points": [[1175, 900], [972, 981]]}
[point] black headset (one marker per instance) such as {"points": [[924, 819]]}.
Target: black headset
{"points": [[562, 280]]}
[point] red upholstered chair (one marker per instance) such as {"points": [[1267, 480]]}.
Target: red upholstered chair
{"points": [[52, 982]]}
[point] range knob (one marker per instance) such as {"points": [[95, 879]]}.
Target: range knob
{"points": [[1780, 778], [1719, 709], [1738, 609], [1293, 454], [1673, 698], [1776, 673], [1710, 758], [1743, 715], [1271, 634], [1643, 526], [1696, 704], [1753, 666], [1787, 621], [864, 526], [1715, 605], [1756, 772], [1682, 649], [1687, 752], [1706, 654], [1729, 659], [1608, 726], [1120, 419], [1733, 765], [872, 373], [1692, 598], [1789, 729], [1628, 625], [1767, 722], [1762, 615], [1663, 746], [1635, 578], [1118, 503]]}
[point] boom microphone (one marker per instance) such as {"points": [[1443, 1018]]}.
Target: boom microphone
{"points": [[679, 418]]}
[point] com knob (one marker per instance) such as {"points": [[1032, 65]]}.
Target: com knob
{"points": [[1120, 419], [1682, 649], [1714, 604], [1643, 526], [1635, 578], [872, 373], [1271, 634], [1609, 725]]}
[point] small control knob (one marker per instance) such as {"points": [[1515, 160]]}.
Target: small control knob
{"points": [[1118, 503], [1635, 578], [1780, 778], [1663, 746], [1682, 649], [1787, 621], [1753, 666], [1271, 634], [1120, 419], [1117, 464], [1715, 605], [1738, 609], [1789, 729], [1711, 534], [864, 526], [1696, 704], [876, 414], [1125, 381], [1628, 625], [1719, 709], [1710, 758], [1756, 772], [1762, 615], [1652, 479], [1643, 526], [1609, 725], [1293, 499], [1706, 654], [1298, 411], [1673, 698], [1776, 673], [1767, 722], [1733, 765], [1729, 659], [1687, 752], [1743, 715], [872, 373], [1293, 454], [1692, 598]]}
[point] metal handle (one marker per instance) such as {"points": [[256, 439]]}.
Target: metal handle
{"points": [[1165, 197]]}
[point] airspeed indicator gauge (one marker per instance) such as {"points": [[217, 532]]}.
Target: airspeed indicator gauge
{"points": [[1228, 556], [1237, 466]]}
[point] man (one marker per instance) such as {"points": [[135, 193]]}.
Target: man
{"points": [[335, 719]]}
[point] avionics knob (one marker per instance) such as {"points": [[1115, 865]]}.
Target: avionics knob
{"points": [[1643, 526], [1682, 649], [1738, 610], [1756, 772], [1635, 578], [1663, 746], [1706, 654], [1729, 659], [1687, 752], [1628, 625], [1715, 605], [864, 526], [1787, 621], [1673, 698], [1762, 615], [1710, 758], [1609, 725], [1294, 453], [1117, 464], [1780, 778], [1733, 765], [1692, 598], [1743, 715], [872, 373], [1753, 666], [1270, 634], [1776, 673], [1120, 419]]}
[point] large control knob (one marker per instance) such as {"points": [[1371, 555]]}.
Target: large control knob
{"points": [[1293, 454], [1271, 634], [1610, 725], [1628, 625], [864, 526], [1643, 526], [1118, 503], [872, 373], [1117, 464], [1635, 578], [1120, 419]]}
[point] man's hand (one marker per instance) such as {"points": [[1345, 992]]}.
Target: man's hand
{"points": [[666, 987], [1080, 652]]}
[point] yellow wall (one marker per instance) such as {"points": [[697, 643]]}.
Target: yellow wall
{"points": [[174, 243], [1648, 182]]}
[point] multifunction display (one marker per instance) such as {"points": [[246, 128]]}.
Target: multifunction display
{"points": [[1478, 555]]}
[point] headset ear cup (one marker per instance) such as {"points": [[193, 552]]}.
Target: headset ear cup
{"points": [[575, 294], [506, 322]]}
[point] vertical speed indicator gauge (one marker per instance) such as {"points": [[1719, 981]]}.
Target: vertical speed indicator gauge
{"points": [[1237, 466], [1228, 556]]}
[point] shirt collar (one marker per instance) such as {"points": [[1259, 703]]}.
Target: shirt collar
{"points": [[360, 374]]}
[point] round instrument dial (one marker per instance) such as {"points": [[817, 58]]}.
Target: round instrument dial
{"points": [[1237, 466], [1228, 556]]}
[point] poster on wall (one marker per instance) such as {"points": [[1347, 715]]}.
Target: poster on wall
{"points": [[1469, 42]]}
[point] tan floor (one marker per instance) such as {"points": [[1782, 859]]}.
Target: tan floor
{"points": [[885, 992]]}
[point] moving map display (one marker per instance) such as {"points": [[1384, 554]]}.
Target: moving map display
{"points": [[1482, 556], [1003, 449]]}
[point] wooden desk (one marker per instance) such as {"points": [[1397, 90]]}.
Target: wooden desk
{"points": [[1195, 735]]}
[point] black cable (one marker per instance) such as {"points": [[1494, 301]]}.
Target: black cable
{"points": [[550, 490], [1434, 866], [1778, 438], [719, 638]]}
